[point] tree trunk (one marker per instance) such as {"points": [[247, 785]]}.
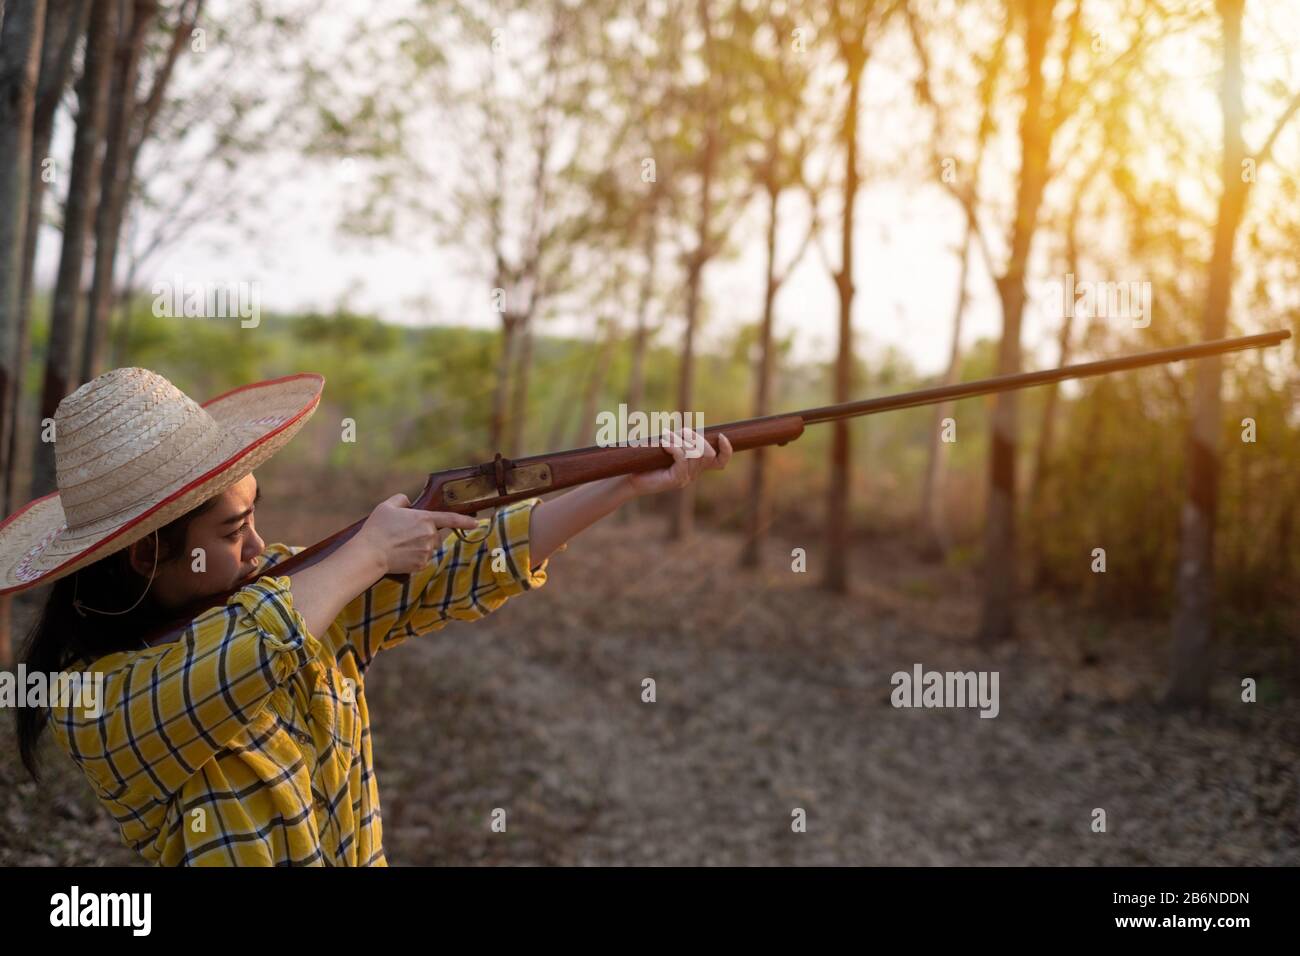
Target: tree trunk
{"points": [[573, 385], [682, 519], [681, 523], [138, 127], [837, 501], [523, 365], [83, 194], [641, 335], [599, 371], [501, 390], [636, 376], [751, 556], [502, 288], [21, 39], [1047, 432], [122, 336], [1043, 457], [21, 35], [935, 540], [997, 618], [116, 181], [65, 21], [1194, 607]]}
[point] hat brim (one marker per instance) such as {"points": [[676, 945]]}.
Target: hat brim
{"points": [[257, 420]]}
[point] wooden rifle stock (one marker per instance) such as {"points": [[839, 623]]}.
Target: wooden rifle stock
{"points": [[501, 481]]}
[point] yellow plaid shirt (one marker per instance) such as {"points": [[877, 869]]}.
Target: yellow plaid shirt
{"points": [[247, 740]]}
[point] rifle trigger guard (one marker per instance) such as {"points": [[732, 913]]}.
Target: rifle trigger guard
{"points": [[496, 471], [460, 532]]}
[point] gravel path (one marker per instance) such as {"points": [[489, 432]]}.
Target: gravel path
{"points": [[772, 696]]}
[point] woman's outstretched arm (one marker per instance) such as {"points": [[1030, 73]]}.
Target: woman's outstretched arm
{"points": [[396, 539]]}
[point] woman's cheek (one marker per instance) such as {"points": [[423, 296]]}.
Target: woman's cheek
{"points": [[233, 560], [217, 561]]}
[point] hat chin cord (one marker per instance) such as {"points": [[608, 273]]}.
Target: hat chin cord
{"points": [[82, 608]]}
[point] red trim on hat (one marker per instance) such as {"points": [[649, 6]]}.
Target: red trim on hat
{"points": [[263, 384], [306, 409]]}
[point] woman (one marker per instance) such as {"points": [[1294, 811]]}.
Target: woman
{"points": [[245, 739]]}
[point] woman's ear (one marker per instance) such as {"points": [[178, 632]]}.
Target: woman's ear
{"points": [[141, 555]]}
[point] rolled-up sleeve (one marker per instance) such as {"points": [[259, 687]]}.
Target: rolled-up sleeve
{"points": [[167, 710], [285, 641], [462, 582]]}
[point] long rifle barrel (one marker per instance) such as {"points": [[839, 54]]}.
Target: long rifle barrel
{"points": [[1005, 383], [474, 488]]}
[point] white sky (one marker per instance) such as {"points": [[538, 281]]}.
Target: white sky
{"points": [[906, 254]]}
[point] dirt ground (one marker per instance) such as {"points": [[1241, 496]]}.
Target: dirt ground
{"points": [[773, 695]]}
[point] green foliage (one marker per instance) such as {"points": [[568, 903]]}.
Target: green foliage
{"points": [[202, 356], [1116, 481]]}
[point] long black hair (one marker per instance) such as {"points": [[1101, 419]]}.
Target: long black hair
{"points": [[61, 636]]}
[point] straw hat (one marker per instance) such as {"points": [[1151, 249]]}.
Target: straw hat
{"points": [[133, 453]]}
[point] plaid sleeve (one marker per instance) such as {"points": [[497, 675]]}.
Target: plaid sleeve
{"points": [[167, 710], [462, 582]]}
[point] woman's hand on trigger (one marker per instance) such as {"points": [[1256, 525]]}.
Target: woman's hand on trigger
{"points": [[402, 538]]}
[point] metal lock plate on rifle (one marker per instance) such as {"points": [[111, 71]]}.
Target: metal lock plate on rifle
{"points": [[483, 488]]}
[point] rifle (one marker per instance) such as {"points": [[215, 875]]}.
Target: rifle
{"points": [[501, 481]]}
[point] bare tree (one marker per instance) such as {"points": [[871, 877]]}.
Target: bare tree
{"points": [[636, 219], [83, 194], [856, 27], [607, 337], [682, 518], [776, 163], [962, 182], [531, 272], [131, 123], [1040, 118], [516, 207], [65, 24], [1193, 617]]}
